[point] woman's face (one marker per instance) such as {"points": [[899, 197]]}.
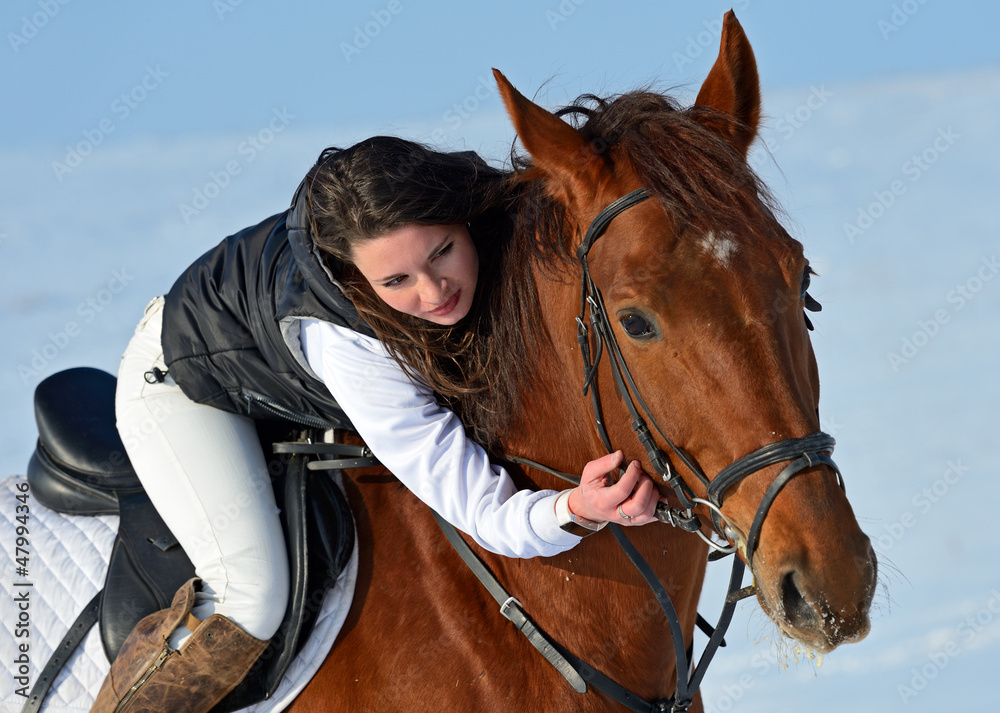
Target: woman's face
{"points": [[426, 271]]}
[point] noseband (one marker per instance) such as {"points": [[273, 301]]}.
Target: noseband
{"points": [[804, 453]]}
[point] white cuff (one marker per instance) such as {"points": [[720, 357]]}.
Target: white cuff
{"points": [[542, 518]]}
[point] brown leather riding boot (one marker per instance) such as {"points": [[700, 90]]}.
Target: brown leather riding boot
{"points": [[150, 676]]}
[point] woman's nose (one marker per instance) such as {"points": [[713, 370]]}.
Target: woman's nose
{"points": [[434, 290]]}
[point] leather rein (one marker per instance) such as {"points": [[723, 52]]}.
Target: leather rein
{"points": [[803, 453]]}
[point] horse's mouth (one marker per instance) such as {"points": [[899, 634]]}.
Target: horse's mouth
{"points": [[812, 621], [836, 630]]}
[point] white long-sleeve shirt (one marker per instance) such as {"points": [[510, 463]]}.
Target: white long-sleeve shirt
{"points": [[425, 446]]}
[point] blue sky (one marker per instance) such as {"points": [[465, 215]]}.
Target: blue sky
{"points": [[174, 97], [220, 66]]}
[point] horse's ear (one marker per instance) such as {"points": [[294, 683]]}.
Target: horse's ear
{"points": [[558, 151], [733, 87]]}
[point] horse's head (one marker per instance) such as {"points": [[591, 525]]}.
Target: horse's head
{"points": [[705, 293]]}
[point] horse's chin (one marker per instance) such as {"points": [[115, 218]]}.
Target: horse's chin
{"points": [[814, 627], [829, 638]]}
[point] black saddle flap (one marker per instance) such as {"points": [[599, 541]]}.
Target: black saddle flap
{"points": [[147, 568]]}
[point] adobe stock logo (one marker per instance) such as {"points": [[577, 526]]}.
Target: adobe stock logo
{"points": [[706, 40], [31, 26], [959, 297], [59, 340], [364, 34], [913, 168], [923, 501], [969, 635], [248, 150], [901, 14], [121, 109], [794, 120]]}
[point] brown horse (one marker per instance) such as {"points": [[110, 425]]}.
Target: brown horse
{"points": [[705, 292]]}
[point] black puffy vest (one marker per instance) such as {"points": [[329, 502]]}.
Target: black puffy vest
{"points": [[230, 323]]}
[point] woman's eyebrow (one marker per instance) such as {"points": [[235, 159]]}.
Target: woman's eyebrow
{"points": [[434, 251]]}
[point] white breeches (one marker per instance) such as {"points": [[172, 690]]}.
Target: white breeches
{"points": [[205, 472]]}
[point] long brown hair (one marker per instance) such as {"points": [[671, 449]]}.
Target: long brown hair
{"points": [[383, 183], [479, 366]]}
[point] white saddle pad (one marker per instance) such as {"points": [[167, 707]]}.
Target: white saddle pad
{"points": [[67, 557]]}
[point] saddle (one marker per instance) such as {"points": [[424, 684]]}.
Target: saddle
{"points": [[80, 467]]}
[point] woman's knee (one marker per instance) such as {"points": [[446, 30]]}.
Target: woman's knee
{"points": [[256, 593], [261, 615], [273, 605]]}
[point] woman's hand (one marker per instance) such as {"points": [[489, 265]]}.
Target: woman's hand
{"points": [[630, 501]]}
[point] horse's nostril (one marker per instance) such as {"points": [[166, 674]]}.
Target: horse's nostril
{"points": [[798, 611]]}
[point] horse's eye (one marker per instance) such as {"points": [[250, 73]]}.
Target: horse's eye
{"points": [[805, 281], [636, 326], [810, 303]]}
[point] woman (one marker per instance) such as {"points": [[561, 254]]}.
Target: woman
{"points": [[366, 305]]}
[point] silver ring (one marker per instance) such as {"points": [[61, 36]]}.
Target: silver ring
{"points": [[723, 548], [623, 515]]}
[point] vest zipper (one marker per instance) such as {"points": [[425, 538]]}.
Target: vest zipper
{"points": [[164, 654], [273, 408]]}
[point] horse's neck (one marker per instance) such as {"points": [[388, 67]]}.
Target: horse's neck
{"points": [[591, 599], [554, 426], [594, 603]]}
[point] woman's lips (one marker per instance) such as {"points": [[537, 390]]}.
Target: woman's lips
{"points": [[447, 306]]}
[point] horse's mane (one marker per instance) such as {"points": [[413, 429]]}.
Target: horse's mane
{"points": [[698, 177]]}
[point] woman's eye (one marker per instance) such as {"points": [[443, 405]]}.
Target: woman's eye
{"points": [[636, 326], [806, 281], [394, 281], [444, 251]]}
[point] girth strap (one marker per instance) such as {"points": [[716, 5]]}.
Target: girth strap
{"points": [[84, 622]]}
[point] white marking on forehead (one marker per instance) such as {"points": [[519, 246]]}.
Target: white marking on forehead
{"points": [[721, 247]]}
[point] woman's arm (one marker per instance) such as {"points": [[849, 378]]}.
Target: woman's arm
{"points": [[425, 446]]}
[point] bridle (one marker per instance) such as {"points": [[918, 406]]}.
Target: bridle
{"points": [[806, 452], [803, 453]]}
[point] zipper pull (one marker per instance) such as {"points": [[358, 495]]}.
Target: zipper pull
{"points": [[155, 376]]}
